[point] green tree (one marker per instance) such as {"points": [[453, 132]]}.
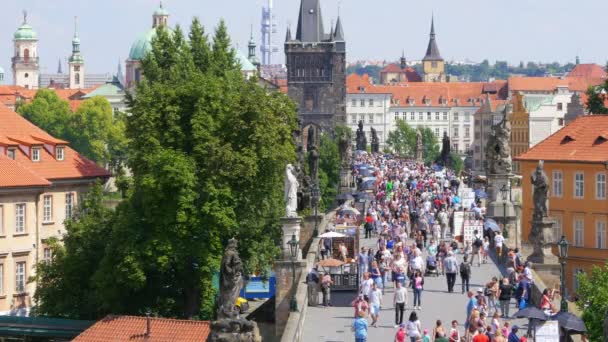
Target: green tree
{"points": [[329, 166], [207, 149], [96, 133], [74, 261], [596, 99], [403, 139], [48, 112], [456, 162], [593, 300], [430, 144]]}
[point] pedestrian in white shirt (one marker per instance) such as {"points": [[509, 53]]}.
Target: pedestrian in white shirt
{"points": [[366, 286], [375, 301], [498, 241], [399, 300]]}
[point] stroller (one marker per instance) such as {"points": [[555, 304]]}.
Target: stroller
{"points": [[431, 266]]}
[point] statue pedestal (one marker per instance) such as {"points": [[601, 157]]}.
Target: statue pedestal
{"points": [[234, 330], [375, 147], [290, 226], [345, 181], [496, 207], [541, 237]]}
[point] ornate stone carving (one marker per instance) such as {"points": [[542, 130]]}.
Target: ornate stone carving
{"points": [[419, 146], [540, 181], [313, 163], [291, 192], [498, 150], [345, 149], [375, 141], [231, 281], [445, 149], [361, 139]]}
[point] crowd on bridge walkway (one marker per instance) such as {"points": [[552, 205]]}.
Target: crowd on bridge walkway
{"points": [[411, 219]]}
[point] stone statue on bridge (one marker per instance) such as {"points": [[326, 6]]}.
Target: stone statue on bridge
{"points": [[375, 141], [419, 146], [498, 150], [291, 192], [231, 281], [540, 181], [445, 150], [361, 139]]}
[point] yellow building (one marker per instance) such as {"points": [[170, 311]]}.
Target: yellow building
{"points": [[520, 128], [576, 163], [41, 182], [433, 66]]}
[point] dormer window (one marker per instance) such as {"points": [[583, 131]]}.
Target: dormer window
{"points": [[36, 154], [59, 154], [410, 101], [11, 153]]}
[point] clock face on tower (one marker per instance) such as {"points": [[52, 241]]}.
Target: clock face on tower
{"points": [[311, 11]]}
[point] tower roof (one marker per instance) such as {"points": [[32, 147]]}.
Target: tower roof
{"points": [[339, 33], [160, 11], [432, 51], [310, 22], [25, 31]]}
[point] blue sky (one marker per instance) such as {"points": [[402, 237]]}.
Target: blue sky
{"points": [[516, 30]]}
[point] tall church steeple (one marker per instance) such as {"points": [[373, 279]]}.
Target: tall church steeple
{"points": [[160, 16], [76, 61], [25, 60], [310, 22], [433, 64]]}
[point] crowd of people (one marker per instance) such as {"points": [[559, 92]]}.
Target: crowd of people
{"points": [[411, 220]]}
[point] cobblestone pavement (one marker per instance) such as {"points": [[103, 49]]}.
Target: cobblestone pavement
{"points": [[333, 324]]}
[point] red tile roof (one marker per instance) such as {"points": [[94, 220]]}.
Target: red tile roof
{"points": [[16, 131], [589, 71], [455, 94], [16, 175], [410, 74], [131, 328], [10, 94], [584, 139]]}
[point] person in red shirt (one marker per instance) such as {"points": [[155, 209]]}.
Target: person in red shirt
{"points": [[481, 336]]}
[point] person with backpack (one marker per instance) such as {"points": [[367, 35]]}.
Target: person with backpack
{"points": [[450, 266], [465, 274], [477, 245]]}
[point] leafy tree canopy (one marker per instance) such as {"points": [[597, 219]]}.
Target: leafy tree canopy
{"points": [[207, 150], [593, 300], [403, 141]]}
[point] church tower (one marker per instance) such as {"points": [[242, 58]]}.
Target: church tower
{"points": [[316, 70], [25, 60], [433, 65], [76, 61]]}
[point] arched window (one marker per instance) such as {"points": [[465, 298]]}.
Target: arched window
{"points": [[26, 54], [77, 78]]}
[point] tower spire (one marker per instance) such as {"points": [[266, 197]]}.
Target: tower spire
{"points": [[59, 71], [24, 17], [432, 51], [310, 22]]}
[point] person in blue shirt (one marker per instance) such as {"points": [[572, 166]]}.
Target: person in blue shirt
{"points": [[472, 304], [513, 335], [360, 327]]}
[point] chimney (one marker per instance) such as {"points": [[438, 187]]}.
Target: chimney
{"points": [[147, 334]]}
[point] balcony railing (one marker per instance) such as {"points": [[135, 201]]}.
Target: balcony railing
{"points": [[25, 60]]}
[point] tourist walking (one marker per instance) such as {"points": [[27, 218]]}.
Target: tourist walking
{"points": [[375, 301], [454, 332], [498, 242], [451, 268], [313, 281], [477, 247], [471, 305], [465, 274], [400, 335], [363, 259], [414, 329], [505, 291], [491, 293], [326, 283], [418, 284], [359, 326], [360, 305], [438, 331], [399, 300], [366, 286]]}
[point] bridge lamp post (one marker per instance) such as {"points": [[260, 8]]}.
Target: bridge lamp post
{"points": [[563, 255], [293, 251], [504, 194], [316, 196]]}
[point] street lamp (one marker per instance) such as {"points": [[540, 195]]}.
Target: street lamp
{"points": [[504, 194], [293, 251], [563, 255], [316, 196]]}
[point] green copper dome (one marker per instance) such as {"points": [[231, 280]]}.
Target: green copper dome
{"points": [[141, 46], [160, 11], [25, 32], [245, 63]]}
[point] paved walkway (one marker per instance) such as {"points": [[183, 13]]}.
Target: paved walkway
{"points": [[333, 324]]}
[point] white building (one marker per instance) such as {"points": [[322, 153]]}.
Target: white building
{"points": [[442, 107], [25, 59]]}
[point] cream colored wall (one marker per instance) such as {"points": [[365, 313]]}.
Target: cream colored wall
{"points": [[22, 247]]}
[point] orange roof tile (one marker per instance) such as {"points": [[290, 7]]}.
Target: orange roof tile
{"points": [[456, 94], [581, 145], [410, 74], [132, 328], [16, 130], [590, 70], [10, 94], [16, 175]]}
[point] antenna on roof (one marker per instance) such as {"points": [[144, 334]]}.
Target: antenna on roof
{"points": [[24, 17], [75, 26]]}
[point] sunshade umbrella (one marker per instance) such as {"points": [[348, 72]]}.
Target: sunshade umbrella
{"points": [[331, 235], [365, 179], [360, 152], [366, 172], [570, 322], [531, 312], [350, 211], [491, 224], [480, 193], [366, 186], [331, 263], [345, 197], [365, 196]]}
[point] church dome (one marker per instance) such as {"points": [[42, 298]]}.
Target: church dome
{"points": [[141, 46], [245, 63], [160, 11], [25, 32]]}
